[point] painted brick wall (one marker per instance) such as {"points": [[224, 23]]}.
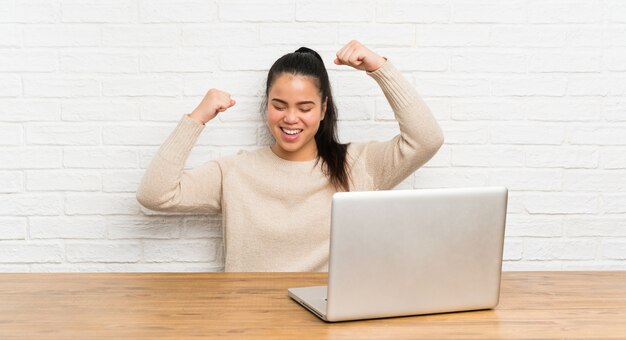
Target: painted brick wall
{"points": [[531, 94]]}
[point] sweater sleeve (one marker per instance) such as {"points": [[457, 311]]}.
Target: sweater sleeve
{"points": [[166, 186], [390, 162]]}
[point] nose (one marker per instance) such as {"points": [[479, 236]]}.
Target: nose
{"points": [[290, 117]]}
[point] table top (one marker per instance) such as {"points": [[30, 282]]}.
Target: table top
{"points": [[256, 306]]}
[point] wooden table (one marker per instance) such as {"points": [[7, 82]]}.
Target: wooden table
{"points": [[256, 306]]}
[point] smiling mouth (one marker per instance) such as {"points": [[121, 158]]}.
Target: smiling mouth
{"points": [[291, 132]]}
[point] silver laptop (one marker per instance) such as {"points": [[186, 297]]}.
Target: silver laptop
{"points": [[409, 252]]}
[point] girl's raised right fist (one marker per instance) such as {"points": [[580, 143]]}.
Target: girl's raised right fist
{"points": [[214, 102]]}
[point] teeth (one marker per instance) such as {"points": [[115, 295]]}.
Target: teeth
{"points": [[291, 132]]}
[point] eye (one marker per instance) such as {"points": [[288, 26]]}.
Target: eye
{"points": [[305, 110], [279, 108]]}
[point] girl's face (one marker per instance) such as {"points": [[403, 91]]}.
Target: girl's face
{"points": [[294, 113]]}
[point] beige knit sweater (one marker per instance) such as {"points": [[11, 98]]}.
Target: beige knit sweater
{"points": [[276, 213]]}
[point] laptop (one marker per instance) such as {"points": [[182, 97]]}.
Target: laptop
{"points": [[410, 252]]}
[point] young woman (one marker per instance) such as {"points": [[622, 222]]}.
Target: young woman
{"points": [[275, 202]]}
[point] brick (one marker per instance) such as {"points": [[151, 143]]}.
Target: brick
{"points": [[81, 111], [529, 36], [142, 227], [100, 62], [361, 132], [594, 180], [352, 83], [486, 62], [257, 11], [533, 226], [61, 35], [596, 226], [121, 180], [594, 265], [439, 108], [513, 250], [100, 157], [527, 134], [378, 34], [247, 109], [467, 109], [613, 203], [453, 86], [181, 11], [614, 59], [13, 228], [136, 35], [10, 134], [587, 85], [169, 110], [63, 180], [614, 249], [235, 83], [406, 59], [487, 156], [179, 61], [63, 227], [220, 35], [541, 249], [101, 204], [142, 85], [616, 86], [111, 11], [21, 110], [453, 35], [581, 36], [464, 133], [450, 178], [135, 134], [63, 134], [179, 250], [32, 11], [536, 85], [229, 135], [613, 158], [561, 11], [202, 227], [302, 34], [597, 135], [422, 11], [558, 110], [527, 179], [615, 10], [334, 11], [30, 158], [28, 60], [26, 204], [561, 157], [239, 58], [29, 252], [561, 203], [566, 62], [10, 86], [354, 108], [56, 86], [489, 11], [118, 251]]}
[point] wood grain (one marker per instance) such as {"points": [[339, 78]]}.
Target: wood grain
{"points": [[533, 305]]}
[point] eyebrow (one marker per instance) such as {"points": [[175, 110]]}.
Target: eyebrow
{"points": [[298, 103]]}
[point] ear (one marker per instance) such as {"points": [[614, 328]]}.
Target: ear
{"points": [[324, 106]]}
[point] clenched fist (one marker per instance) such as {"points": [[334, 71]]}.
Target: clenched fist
{"points": [[214, 102], [360, 57]]}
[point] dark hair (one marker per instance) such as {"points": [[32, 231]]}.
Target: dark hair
{"points": [[306, 62]]}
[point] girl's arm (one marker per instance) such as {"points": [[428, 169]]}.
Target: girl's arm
{"points": [[166, 185]]}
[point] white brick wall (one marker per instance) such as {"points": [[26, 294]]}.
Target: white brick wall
{"points": [[531, 95]]}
